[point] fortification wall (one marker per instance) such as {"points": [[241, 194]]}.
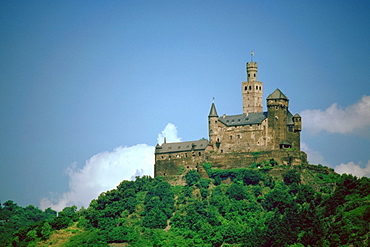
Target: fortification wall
{"points": [[170, 167], [238, 160]]}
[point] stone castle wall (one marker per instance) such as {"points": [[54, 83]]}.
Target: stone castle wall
{"points": [[171, 167]]}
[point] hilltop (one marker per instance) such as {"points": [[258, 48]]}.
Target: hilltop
{"points": [[262, 205]]}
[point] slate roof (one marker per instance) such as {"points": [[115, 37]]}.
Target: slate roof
{"points": [[250, 118], [277, 94], [213, 112], [175, 147], [243, 119], [290, 118]]}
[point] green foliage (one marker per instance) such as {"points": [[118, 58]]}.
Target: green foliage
{"points": [[291, 176], [181, 170], [255, 209], [192, 177]]}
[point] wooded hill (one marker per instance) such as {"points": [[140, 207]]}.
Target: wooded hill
{"points": [[264, 205]]}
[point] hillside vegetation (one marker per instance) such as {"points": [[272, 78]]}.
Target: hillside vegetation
{"points": [[258, 206]]}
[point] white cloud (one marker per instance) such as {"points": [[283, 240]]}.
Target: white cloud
{"points": [[170, 132], [104, 171], [313, 156], [354, 169], [337, 120]]}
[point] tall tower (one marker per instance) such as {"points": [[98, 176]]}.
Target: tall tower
{"points": [[213, 126], [277, 108], [252, 90]]}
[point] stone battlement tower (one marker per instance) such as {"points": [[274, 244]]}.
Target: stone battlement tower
{"points": [[252, 90]]}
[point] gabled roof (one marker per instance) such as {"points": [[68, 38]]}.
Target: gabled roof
{"points": [[243, 119], [181, 146], [277, 94], [297, 115], [213, 112]]}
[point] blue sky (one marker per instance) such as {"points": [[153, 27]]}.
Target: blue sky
{"points": [[88, 87]]}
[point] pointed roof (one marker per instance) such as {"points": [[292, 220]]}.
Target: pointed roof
{"points": [[296, 115], [277, 94], [213, 112]]}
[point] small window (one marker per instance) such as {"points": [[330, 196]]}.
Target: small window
{"points": [[250, 87], [256, 87], [249, 75], [246, 88], [200, 154], [254, 74], [260, 88]]}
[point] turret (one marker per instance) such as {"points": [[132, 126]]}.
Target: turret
{"points": [[213, 125], [297, 120], [277, 107], [252, 90]]}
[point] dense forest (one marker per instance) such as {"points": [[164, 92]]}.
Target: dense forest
{"points": [[263, 205]]}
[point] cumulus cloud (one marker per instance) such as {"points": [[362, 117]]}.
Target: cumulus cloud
{"points": [[170, 133], [354, 169], [104, 171], [313, 156], [338, 120]]}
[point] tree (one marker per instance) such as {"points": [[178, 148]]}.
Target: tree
{"points": [[292, 177], [192, 177], [237, 192], [46, 231]]}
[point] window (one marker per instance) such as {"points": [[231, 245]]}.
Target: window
{"points": [[249, 75], [254, 74], [200, 154], [246, 88], [250, 87], [256, 87], [231, 137]]}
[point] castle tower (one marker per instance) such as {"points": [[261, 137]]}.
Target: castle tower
{"points": [[277, 108], [213, 126], [252, 90], [297, 121]]}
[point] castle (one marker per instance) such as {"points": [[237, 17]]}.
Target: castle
{"points": [[239, 140]]}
